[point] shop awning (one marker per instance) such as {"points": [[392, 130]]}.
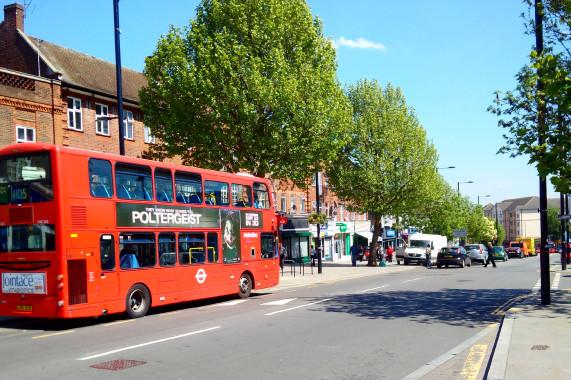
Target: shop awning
{"points": [[292, 233], [366, 235]]}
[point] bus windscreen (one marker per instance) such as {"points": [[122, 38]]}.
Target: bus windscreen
{"points": [[26, 179]]}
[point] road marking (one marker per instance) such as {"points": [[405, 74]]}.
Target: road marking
{"points": [[555, 284], [368, 290], [414, 279], [119, 322], [429, 367], [279, 302], [297, 307], [231, 303], [473, 362], [148, 343], [537, 286], [54, 334]]}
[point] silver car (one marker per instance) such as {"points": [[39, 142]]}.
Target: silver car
{"points": [[477, 252]]}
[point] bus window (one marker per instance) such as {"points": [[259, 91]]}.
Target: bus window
{"points": [[28, 238], [188, 187], [137, 250], [216, 193], [261, 196], [163, 185], [26, 179], [107, 252], [241, 195], [133, 182], [100, 178], [268, 246], [191, 248], [167, 249], [212, 246]]}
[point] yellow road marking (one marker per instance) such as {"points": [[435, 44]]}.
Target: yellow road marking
{"points": [[119, 322], [54, 334], [474, 362]]}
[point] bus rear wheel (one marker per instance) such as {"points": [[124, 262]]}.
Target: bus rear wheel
{"points": [[244, 286], [138, 301]]}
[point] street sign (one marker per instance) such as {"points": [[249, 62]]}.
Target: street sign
{"points": [[564, 217], [459, 233], [342, 226]]}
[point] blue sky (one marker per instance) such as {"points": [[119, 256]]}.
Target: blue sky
{"points": [[448, 56]]}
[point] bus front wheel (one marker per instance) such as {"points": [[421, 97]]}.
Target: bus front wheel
{"points": [[138, 301], [245, 286]]}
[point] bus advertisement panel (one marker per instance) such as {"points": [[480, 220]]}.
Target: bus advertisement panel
{"points": [[85, 234]]}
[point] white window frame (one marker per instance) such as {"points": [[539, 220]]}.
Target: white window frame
{"points": [[283, 204], [102, 125], [292, 206], [25, 130], [74, 114], [302, 204], [149, 137], [128, 122]]}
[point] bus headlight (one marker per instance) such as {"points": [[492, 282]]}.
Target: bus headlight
{"points": [[60, 303]]}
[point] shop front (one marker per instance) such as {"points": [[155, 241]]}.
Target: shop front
{"points": [[295, 236]]}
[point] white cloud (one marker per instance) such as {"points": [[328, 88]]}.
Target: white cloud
{"points": [[361, 43]]}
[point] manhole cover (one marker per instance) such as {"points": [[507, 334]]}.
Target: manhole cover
{"points": [[540, 347], [118, 365]]}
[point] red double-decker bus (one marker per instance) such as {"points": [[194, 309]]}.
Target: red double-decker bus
{"points": [[86, 234]]}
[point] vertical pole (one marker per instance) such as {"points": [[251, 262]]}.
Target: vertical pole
{"points": [[541, 110], [568, 248], [563, 251], [318, 240], [119, 81], [497, 230]]}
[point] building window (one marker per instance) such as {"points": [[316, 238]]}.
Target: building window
{"points": [[327, 209], [292, 203], [283, 202], [74, 113], [128, 122], [102, 126], [302, 204], [149, 137], [25, 134]]}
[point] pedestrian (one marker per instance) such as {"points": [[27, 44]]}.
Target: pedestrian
{"points": [[428, 255], [490, 256], [390, 254], [283, 254], [313, 256], [354, 254]]}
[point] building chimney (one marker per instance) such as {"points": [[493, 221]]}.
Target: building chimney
{"points": [[14, 17]]}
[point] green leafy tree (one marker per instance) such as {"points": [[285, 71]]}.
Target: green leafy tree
{"points": [[248, 85], [387, 166], [553, 224], [529, 111]]}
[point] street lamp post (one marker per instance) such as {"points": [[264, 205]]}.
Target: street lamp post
{"points": [[119, 84], [483, 196], [463, 182]]}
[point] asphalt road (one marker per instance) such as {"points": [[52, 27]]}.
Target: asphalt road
{"points": [[385, 326]]}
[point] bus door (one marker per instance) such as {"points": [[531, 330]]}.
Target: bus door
{"points": [[109, 278]]}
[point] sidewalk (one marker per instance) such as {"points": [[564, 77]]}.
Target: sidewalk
{"points": [[332, 271], [535, 340]]}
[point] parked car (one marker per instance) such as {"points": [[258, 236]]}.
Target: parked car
{"points": [[499, 253], [453, 255], [477, 252], [522, 245], [515, 252]]}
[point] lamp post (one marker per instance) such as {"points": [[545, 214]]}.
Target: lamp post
{"points": [[483, 196], [463, 182], [119, 84]]}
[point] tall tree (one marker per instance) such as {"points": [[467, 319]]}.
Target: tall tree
{"points": [[248, 85], [387, 166], [522, 109]]}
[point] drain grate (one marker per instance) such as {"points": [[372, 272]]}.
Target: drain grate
{"points": [[540, 347], [118, 365]]}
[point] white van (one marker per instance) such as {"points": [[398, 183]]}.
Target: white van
{"points": [[415, 251]]}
